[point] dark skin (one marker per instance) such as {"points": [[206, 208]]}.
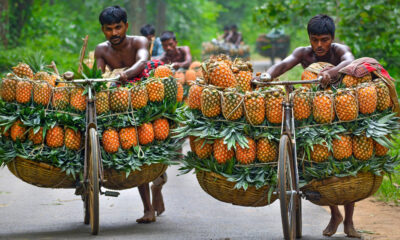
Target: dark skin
{"points": [[179, 57], [234, 37], [323, 50], [131, 52]]}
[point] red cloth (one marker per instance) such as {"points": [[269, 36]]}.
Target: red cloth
{"points": [[150, 65], [362, 66]]}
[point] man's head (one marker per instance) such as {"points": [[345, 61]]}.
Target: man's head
{"points": [[234, 28], [321, 32], [168, 41], [226, 29], [148, 31], [114, 24]]}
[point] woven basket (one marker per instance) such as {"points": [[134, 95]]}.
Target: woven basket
{"points": [[221, 189], [116, 180], [40, 174], [341, 191]]}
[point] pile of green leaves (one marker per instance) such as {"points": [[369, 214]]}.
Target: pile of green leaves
{"points": [[257, 175]]}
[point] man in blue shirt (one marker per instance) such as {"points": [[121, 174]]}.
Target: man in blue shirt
{"points": [[155, 47]]}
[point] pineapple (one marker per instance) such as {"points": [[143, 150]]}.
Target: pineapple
{"points": [[220, 74], [246, 155], [363, 147], [210, 102], [196, 66], [243, 73], [190, 77], [301, 104], [110, 140], [367, 98], [346, 105], [179, 93], [383, 101], [23, 70], [232, 107], [203, 149], [8, 89], [320, 153], [342, 147], [146, 133], [162, 72], [4, 133], [366, 78], [102, 102], [170, 89], [180, 77], [161, 129], [308, 75], [17, 131], [380, 150], [155, 90], [350, 81], [323, 107], [41, 93], [73, 139], [221, 152], [78, 100], [36, 138], [194, 97], [61, 98], [254, 108], [267, 150], [139, 97], [128, 137], [192, 143], [23, 93], [55, 137], [119, 100], [273, 106], [44, 76]]}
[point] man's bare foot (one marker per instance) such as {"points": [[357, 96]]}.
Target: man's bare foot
{"points": [[158, 201], [148, 217], [351, 231], [333, 225]]}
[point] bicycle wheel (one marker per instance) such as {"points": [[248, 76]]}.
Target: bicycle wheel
{"points": [[286, 186], [299, 221], [93, 183], [86, 213]]}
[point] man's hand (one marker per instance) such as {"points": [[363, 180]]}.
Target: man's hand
{"points": [[265, 77], [123, 78], [176, 66], [326, 79]]}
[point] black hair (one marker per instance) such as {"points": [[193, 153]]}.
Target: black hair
{"points": [[167, 35], [147, 30], [321, 24], [226, 27], [234, 26], [111, 15]]}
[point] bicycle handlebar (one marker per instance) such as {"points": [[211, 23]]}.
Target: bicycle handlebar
{"points": [[255, 81], [90, 80]]}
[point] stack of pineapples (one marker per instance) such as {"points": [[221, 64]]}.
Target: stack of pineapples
{"points": [[229, 122]]}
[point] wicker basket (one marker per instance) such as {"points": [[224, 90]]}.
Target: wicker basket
{"points": [[40, 174], [116, 180], [221, 189], [341, 191]]}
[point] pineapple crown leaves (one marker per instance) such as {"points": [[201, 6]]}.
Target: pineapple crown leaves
{"points": [[379, 126], [35, 61]]}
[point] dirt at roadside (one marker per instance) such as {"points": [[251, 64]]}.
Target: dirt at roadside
{"points": [[376, 220]]}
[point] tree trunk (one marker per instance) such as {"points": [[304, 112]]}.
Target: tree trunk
{"points": [[161, 17], [136, 11], [4, 22]]}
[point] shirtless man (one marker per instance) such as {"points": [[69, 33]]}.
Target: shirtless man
{"points": [[179, 57], [131, 52], [321, 32], [234, 36]]}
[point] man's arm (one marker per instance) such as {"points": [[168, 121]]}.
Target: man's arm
{"points": [[98, 52], [142, 55], [286, 64], [346, 57], [239, 39], [188, 59]]}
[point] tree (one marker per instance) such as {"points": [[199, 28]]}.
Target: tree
{"points": [[4, 22]]}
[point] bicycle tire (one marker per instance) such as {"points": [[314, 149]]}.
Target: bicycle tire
{"points": [[286, 185], [93, 177], [299, 221], [86, 213]]}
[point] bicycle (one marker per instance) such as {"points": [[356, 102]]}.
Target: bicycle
{"points": [[93, 167], [288, 176]]}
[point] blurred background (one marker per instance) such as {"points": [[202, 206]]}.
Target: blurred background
{"points": [[56, 27]]}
